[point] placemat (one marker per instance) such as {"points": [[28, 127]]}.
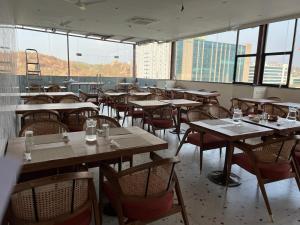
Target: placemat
{"points": [[240, 129], [51, 153], [53, 138], [215, 122], [118, 131], [130, 142]]}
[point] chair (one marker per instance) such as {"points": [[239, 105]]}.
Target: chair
{"points": [[101, 119], [86, 97], [75, 119], [177, 95], [44, 114], [54, 88], [269, 161], [40, 99], [132, 111], [216, 111], [69, 99], [42, 127], [272, 109], [119, 103], [144, 193], [246, 108], [160, 118], [205, 141], [60, 199]]}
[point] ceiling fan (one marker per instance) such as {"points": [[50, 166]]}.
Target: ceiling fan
{"points": [[82, 5]]}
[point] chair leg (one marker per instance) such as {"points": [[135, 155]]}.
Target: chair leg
{"points": [[220, 152], [297, 172], [182, 141], [181, 203], [201, 160], [264, 193]]}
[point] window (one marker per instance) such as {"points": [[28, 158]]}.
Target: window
{"points": [[278, 52], [295, 70], [209, 58], [90, 57], [153, 60], [52, 50], [246, 55]]}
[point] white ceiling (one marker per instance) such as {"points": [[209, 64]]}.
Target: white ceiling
{"points": [[110, 17]]}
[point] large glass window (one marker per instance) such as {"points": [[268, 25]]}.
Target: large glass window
{"points": [[153, 60], [246, 55], [295, 70], [52, 50], [278, 52], [208, 58], [90, 57]]}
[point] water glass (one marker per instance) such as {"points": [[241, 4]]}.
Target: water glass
{"points": [[28, 144], [90, 133], [105, 128], [292, 114], [237, 115]]}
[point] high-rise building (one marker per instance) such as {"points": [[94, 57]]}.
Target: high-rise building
{"points": [[201, 60], [153, 60]]}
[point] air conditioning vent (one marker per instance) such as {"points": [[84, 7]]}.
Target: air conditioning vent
{"points": [[141, 21]]}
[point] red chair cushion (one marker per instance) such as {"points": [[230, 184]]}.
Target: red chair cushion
{"points": [[144, 208], [297, 156], [273, 171], [184, 119], [121, 107], [136, 113], [209, 141], [83, 218], [161, 123]]}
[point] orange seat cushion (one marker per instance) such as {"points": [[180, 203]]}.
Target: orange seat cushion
{"points": [[142, 208], [273, 171], [209, 141]]}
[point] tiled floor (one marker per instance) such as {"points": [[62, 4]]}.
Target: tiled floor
{"points": [[207, 203]]}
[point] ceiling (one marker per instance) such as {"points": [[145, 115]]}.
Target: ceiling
{"points": [[116, 19]]}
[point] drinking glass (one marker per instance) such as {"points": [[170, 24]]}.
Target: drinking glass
{"points": [[237, 115], [28, 144], [90, 133], [292, 114]]}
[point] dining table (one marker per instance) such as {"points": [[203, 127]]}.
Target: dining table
{"points": [[55, 95], [230, 131], [257, 102], [60, 107], [288, 104], [57, 150]]}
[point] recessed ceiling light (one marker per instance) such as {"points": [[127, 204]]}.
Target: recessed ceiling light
{"points": [[224, 2]]}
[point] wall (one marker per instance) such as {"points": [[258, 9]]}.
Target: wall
{"points": [[8, 80]]}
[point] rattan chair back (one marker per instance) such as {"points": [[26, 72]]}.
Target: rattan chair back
{"points": [[216, 111], [101, 119], [40, 99], [69, 99], [42, 127], [54, 200], [274, 110], [197, 114], [39, 115], [54, 88]]}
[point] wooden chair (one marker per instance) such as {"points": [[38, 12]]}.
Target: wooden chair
{"points": [[106, 101], [132, 111], [75, 119], [44, 114], [269, 161], [61, 199], [272, 109], [160, 118], [54, 88], [177, 95], [85, 97], [69, 99], [216, 111], [101, 119], [42, 127], [40, 99], [246, 108], [205, 141], [119, 103], [144, 193]]}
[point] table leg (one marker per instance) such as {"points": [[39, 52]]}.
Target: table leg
{"points": [[177, 129], [221, 177]]}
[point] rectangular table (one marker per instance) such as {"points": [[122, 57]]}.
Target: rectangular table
{"points": [[257, 102], [60, 107], [288, 104], [47, 87], [202, 93], [25, 95], [76, 151], [282, 126], [225, 128], [148, 103]]}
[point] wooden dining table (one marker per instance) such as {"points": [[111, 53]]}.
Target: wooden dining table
{"points": [[25, 95], [257, 102], [60, 107], [232, 132], [54, 151], [288, 104]]}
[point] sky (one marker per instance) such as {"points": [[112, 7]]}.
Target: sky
{"points": [[279, 39]]}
